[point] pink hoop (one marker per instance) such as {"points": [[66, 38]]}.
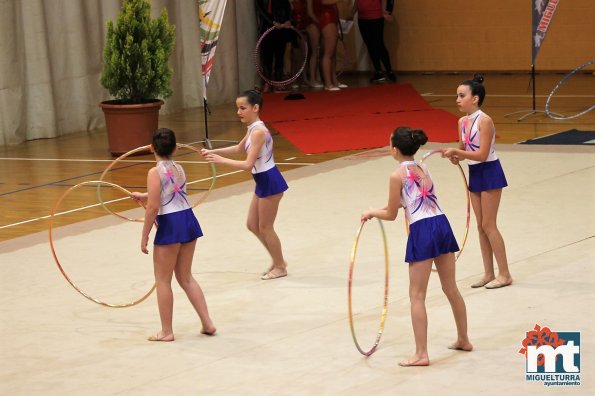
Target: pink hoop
{"points": [[259, 66]]}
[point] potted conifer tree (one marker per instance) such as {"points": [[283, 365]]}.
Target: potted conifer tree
{"points": [[136, 73]]}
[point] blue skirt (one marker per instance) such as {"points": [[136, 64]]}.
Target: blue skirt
{"points": [[429, 238], [486, 176], [269, 183], [177, 227]]}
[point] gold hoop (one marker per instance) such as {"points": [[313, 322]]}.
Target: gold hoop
{"points": [[144, 148], [52, 247], [349, 287]]}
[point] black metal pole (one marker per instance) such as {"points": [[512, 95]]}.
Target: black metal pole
{"points": [[206, 108], [533, 82]]}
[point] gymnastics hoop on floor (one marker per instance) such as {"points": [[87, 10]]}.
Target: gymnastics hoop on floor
{"points": [[144, 148], [259, 66], [349, 287], [52, 247], [547, 102], [467, 194]]}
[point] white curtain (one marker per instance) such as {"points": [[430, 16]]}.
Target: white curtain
{"points": [[51, 59]]}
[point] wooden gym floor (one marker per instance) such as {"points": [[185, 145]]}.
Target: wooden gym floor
{"points": [[36, 173]]}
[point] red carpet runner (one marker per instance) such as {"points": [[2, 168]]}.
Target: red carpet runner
{"points": [[355, 118]]}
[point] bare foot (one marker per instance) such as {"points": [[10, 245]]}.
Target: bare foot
{"points": [[210, 330], [161, 337], [484, 281], [461, 346], [415, 360]]}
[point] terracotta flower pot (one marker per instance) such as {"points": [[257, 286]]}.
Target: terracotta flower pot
{"points": [[130, 125]]}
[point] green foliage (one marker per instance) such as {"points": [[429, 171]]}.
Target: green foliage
{"points": [[136, 53]]}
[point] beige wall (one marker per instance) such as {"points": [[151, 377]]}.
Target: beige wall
{"points": [[486, 35]]}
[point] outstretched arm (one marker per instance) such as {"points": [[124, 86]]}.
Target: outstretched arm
{"points": [[257, 140]]}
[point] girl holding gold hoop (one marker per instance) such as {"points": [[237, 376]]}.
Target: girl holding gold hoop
{"points": [[175, 239], [430, 240]]}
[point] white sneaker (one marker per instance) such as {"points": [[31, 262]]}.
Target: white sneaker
{"points": [[342, 86], [332, 88]]}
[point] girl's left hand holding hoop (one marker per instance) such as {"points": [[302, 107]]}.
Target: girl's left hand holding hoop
{"points": [[366, 216], [451, 155], [214, 158], [138, 196]]}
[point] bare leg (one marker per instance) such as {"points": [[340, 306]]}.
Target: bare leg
{"points": [[314, 36], [484, 243], [192, 288], [267, 213], [490, 201], [329, 36], [164, 262], [252, 224], [419, 275], [446, 270]]}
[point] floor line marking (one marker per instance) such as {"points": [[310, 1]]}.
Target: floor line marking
{"points": [[111, 201]]}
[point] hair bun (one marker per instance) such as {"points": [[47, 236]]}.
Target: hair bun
{"points": [[478, 78], [419, 137]]}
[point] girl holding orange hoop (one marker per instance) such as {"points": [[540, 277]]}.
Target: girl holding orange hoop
{"points": [[175, 239], [430, 240], [270, 184], [486, 179]]}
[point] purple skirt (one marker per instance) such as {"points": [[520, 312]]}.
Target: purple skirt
{"points": [[177, 227], [429, 238], [486, 176], [269, 183]]}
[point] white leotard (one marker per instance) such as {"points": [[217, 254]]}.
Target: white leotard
{"points": [[265, 160], [173, 187], [418, 197], [471, 137]]}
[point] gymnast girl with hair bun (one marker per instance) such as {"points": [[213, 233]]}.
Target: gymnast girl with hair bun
{"points": [[270, 184], [486, 179], [175, 239], [430, 240]]}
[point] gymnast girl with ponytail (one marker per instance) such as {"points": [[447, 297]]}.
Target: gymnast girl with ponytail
{"points": [[257, 145]]}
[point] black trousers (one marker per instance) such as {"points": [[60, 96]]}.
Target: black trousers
{"points": [[273, 52], [372, 31]]}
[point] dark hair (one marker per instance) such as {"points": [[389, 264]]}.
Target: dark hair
{"points": [[408, 140], [164, 142], [476, 87], [253, 97]]}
